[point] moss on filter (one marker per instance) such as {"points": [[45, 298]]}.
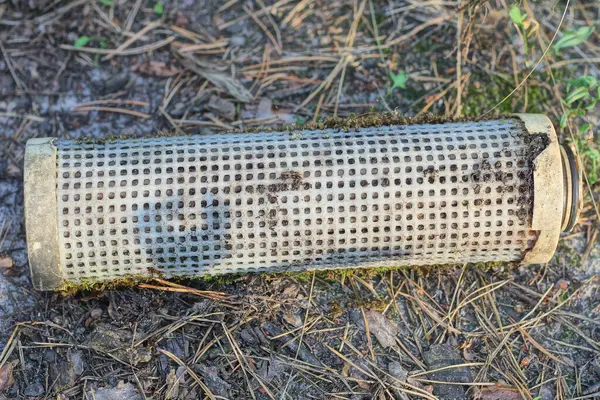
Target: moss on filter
{"points": [[93, 285], [351, 122], [376, 120], [333, 275], [330, 275]]}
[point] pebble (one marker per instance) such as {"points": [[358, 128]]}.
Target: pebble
{"points": [[123, 391], [34, 390], [238, 40]]}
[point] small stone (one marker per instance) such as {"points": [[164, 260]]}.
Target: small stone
{"points": [[546, 393], [7, 84], [238, 40], [34, 390], [49, 355], [140, 355], [76, 359], [96, 313], [211, 378], [181, 19], [292, 318], [519, 308], [291, 291], [105, 339], [444, 355], [562, 284], [271, 369], [123, 391], [395, 369], [105, 83], [178, 110], [64, 375], [223, 107], [248, 336], [325, 40], [596, 366]]}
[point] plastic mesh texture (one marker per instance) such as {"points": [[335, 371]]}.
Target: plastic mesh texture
{"points": [[374, 197]]}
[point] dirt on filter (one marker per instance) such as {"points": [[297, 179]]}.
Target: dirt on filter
{"points": [[96, 71]]}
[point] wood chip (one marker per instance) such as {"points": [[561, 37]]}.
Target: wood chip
{"points": [[156, 68], [6, 262]]}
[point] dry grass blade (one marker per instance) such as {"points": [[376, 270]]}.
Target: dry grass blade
{"points": [[29, 117], [174, 287], [11, 68], [113, 101], [112, 110], [191, 48], [135, 38], [415, 390], [476, 295], [190, 371], [590, 244], [244, 365], [473, 364], [413, 33], [264, 29], [542, 349], [126, 52], [534, 68]]}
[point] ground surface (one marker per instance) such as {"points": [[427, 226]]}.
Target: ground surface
{"points": [[114, 67]]}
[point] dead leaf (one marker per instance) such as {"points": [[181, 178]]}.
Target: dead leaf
{"points": [[498, 392], [222, 80], [384, 330], [6, 375], [172, 385], [265, 109], [156, 68]]}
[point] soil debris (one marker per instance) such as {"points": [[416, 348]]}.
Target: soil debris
{"points": [[123, 391], [440, 356]]}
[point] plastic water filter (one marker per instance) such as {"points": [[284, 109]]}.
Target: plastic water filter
{"points": [[399, 195]]}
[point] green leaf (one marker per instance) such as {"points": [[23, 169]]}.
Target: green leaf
{"points": [[516, 16], [573, 37], [107, 3], [584, 128], [158, 8], [577, 94], [586, 81], [398, 80], [593, 154], [81, 41], [564, 119]]}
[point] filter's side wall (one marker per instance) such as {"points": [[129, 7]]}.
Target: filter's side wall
{"points": [[41, 214], [548, 191], [374, 197]]}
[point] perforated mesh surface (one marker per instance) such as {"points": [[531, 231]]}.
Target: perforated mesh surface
{"points": [[398, 195]]}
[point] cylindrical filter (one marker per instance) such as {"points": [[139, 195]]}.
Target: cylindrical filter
{"points": [[399, 195]]}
